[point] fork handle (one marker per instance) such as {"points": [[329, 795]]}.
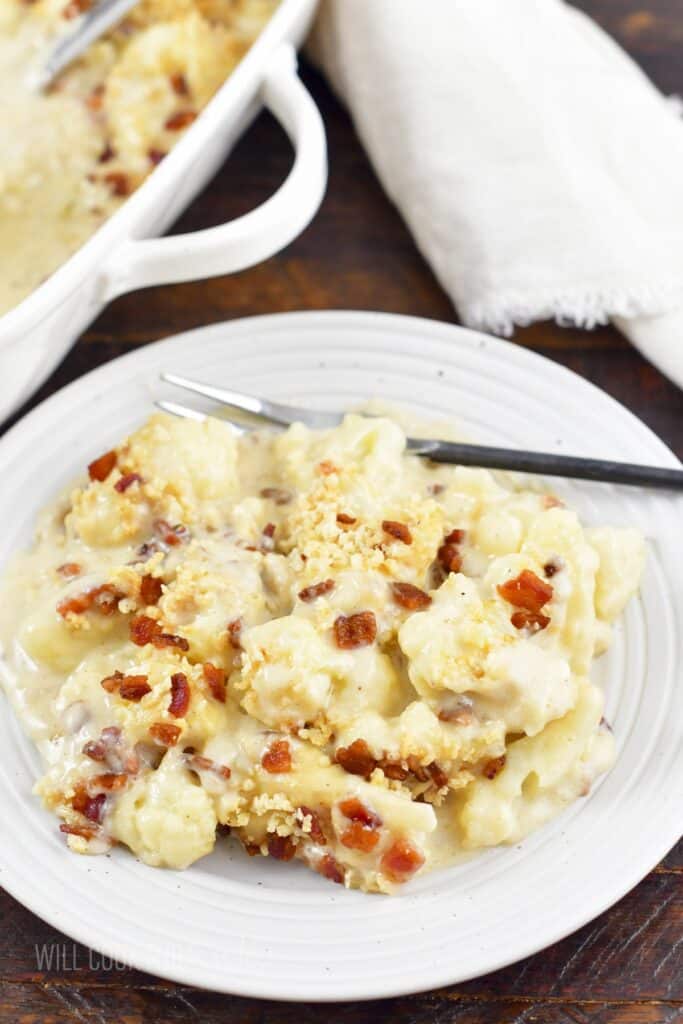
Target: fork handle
{"points": [[548, 464]]}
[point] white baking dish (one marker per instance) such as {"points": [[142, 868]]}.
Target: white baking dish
{"points": [[126, 252]]}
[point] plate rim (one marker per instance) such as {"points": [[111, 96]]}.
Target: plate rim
{"points": [[355, 321]]}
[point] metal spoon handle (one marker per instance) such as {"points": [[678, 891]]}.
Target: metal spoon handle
{"points": [[98, 20]]}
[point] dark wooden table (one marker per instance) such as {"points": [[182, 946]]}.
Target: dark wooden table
{"points": [[627, 966]]}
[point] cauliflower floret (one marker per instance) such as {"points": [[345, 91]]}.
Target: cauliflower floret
{"points": [[165, 817], [622, 558]]}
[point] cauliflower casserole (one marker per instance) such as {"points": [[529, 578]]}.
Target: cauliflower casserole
{"points": [[333, 650], [69, 158]]}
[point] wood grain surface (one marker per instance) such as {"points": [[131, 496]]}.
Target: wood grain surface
{"points": [[627, 966]]}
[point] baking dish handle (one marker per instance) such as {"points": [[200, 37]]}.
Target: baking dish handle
{"points": [[257, 235]]}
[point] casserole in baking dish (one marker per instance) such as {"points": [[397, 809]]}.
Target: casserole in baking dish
{"points": [[113, 119]]}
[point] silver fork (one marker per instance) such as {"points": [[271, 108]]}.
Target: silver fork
{"points": [[89, 27], [483, 456]]}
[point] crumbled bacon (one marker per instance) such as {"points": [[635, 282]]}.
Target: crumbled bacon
{"points": [[75, 8], [277, 758], [235, 633], [95, 99], [100, 468], [179, 84], [326, 468], [358, 837], [356, 759], [134, 688], [316, 830], [84, 831], [165, 733], [69, 569], [145, 630], [448, 555], [458, 714], [112, 683], [106, 155], [252, 849], [315, 590], [493, 767], [357, 630], [408, 596], [181, 119], [118, 182], [551, 567], [127, 481], [149, 548], [171, 535], [155, 156], [95, 749], [344, 519], [401, 860], [533, 621], [150, 589], [355, 810], [91, 807], [435, 489], [397, 530], [277, 494], [393, 769], [438, 775], [103, 599], [109, 781], [281, 847], [550, 501], [215, 678], [526, 591], [329, 867], [180, 695]]}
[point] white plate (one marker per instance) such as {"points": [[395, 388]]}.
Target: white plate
{"points": [[271, 930]]}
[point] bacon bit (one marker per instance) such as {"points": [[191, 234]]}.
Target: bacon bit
{"points": [[410, 597], [459, 715], [438, 775], [277, 494], [551, 567], [235, 633], [356, 759], [106, 155], [96, 750], [277, 758], [269, 530], [448, 555], [526, 591], [550, 501], [357, 630], [252, 849], [78, 830], [435, 489], [171, 535], [111, 683], [401, 860], [281, 847], [345, 519], [316, 833], [222, 829], [100, 468], [69, 569], [109, 781], [493, 767], [127, 481], [533, 621], [181, 119], [103, 599], [165, 733], [95, 99], [150, 589], [149, 548], [76, 7], [155, 156], [326, 468], [180, 695], [118, 182], [393, 770], [329, 867], [215, 678], [355, 810], [358, 837], [134, 688], [145, 630], [91, 807], [179, 84], [398, 530], [309, 594]]}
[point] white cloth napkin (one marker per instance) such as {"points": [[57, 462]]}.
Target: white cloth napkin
{"points": [[539, 170]]}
